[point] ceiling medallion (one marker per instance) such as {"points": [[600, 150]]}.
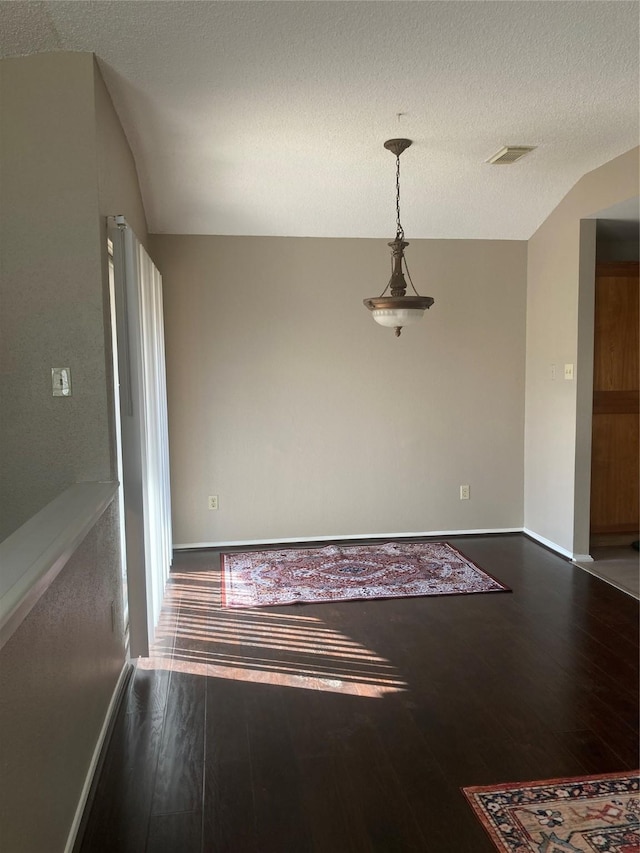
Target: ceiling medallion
{"points": [[398, 309]]}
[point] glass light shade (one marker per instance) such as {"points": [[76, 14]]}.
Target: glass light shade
{"points": [[394, 312], [394, 317]]}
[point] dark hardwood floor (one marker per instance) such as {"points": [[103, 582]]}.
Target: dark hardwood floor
{"points": [[349, 727]]}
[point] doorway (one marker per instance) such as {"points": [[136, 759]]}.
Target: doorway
{"points": [[607, 488]]}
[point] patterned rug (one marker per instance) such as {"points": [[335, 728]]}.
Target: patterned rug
{"points": [[592, 814], [344, 573]]}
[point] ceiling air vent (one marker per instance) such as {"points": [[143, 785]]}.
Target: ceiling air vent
{"points": [[509, 154]]}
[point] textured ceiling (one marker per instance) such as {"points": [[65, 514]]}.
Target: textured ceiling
{"points": [[269, 117]]}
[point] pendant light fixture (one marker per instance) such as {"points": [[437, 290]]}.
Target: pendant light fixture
{"points": [[398, 309]]}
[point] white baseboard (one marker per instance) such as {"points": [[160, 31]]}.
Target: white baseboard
{"points": [[244, 542], [548, 543], [84, 794]]}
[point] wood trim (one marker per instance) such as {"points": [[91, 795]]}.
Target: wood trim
{"points": [[614, 540], [611, 269], [616, 528], [616, 402]]}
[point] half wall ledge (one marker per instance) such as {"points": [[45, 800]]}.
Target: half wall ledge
{"points": [[33, 556]]}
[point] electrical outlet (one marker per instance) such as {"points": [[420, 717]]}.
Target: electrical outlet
{"points": [[464, 493], [568, 371], [213, 502]]}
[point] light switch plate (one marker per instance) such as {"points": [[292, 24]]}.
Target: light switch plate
{"points": [[61, 381]]}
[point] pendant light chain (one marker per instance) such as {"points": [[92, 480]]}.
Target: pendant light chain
{"points": [[398, 309], [399, 228]]}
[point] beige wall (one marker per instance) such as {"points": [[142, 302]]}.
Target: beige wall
{"points": [[559, 331], [118, 188], [52, 295], [118, 193], [65, 165], [308, 419]]}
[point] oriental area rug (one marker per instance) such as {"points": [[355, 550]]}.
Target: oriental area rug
{"points": [[344, 573], [592, 814]]}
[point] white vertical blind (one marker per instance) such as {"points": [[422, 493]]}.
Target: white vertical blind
{"points": [[145, 434], [156, 444]]}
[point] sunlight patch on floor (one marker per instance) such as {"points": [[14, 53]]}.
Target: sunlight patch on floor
{"points": [[196, 635]]}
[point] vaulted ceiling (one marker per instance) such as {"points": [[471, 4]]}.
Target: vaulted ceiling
{"points": [[268, 118]]}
